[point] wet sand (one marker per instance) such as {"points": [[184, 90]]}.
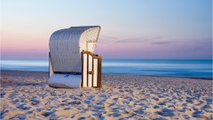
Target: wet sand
{"points": [[26, 95]]}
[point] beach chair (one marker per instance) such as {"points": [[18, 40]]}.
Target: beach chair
{"points": [[72, 63]]}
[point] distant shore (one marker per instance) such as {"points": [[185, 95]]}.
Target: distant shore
{"points": [[184, 68], [26, 95]]}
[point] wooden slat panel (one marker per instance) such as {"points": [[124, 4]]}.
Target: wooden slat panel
{"points": [[95, 75], [91, 70], [85, 70], [99, 71]]}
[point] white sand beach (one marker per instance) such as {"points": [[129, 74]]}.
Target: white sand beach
{"points": [[26, 95]]}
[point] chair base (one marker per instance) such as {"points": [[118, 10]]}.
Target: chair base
{"points": [[65, 81]]}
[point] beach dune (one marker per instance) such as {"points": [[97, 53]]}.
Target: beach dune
{"points": [[26, 95]]}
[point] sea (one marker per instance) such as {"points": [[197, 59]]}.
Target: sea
{"points": [[186, 68]]}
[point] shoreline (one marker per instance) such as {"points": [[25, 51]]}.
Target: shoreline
{"points": [[26, 95], [120, 74]]}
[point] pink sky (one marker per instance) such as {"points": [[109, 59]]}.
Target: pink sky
{"points": [[147, 30]]}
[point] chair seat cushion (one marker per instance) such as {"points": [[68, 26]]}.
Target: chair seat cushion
{"points": [[65, 80]]}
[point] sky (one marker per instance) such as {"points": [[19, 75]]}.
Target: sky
{"points": [[139, 29]]}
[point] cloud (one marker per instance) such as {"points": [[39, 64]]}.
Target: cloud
{"points": [[107, 39], [191, 42], [130, 40], [153, 40], [206, 41], [138, 39], [162, 42]]}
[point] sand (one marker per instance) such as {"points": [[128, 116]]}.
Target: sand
{"points": [[26, 95]]}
